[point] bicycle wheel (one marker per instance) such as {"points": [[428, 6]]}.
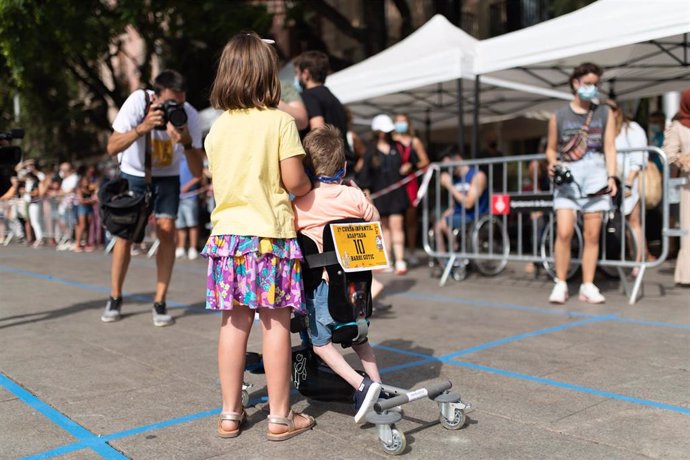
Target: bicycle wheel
{"points": [[482, 231], [613, 250], [547, 250]]}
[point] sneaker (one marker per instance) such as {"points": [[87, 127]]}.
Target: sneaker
{"points": [[400, 267], [192, 254], [412, 260], [160, 315], [590, 293], [179, 253], [112, 310], [559, 294], [365, 397]]}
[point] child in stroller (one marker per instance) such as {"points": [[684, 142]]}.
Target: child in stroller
{"points": [[332, 201]]}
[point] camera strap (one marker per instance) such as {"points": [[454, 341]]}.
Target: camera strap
{"points": [[147, 148]]}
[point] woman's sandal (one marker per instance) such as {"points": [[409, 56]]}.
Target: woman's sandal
{"points": [[234, 417], [289, 422]]}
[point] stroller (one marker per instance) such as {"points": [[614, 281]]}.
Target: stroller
{"points": [[350, 305]]}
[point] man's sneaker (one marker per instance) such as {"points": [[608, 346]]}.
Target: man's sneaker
{"points": [[112, 310], [160, 315], [590, 293], [179, 253], [192, 254], [365, 397], [559, 294]]}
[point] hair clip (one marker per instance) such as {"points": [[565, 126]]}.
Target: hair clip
{"points": [[269, 41]]}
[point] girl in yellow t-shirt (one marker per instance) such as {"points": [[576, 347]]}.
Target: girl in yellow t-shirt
{"points": [[255, 159]]}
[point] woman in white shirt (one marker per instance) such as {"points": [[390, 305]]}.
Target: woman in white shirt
{"points": [[630, 135]]}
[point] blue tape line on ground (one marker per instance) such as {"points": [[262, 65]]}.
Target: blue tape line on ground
{"points": [[569, 386], [524, 308], [515, 338], [56, 417]]}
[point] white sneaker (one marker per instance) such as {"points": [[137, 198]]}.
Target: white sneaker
{"points": [[590, 293], [559, 293], [192, 254], [179, 253]]}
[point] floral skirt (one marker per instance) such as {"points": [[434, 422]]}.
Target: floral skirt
{"points": [[255, 272]]}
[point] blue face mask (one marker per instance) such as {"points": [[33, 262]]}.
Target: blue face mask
{"points": [[297, 84], [401, 127], [588, 92]]}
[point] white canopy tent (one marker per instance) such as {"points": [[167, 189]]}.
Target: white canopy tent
{"points": [[422, 76], [642, 46]]}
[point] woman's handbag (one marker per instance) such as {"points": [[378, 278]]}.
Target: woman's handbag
{"points": [[649, 185], [576, 147]]}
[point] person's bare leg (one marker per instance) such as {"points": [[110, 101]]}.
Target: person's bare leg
{"points": [[441, 232], [79, 232], [565, 227], [181, 238], [590, 254], [332, 357], [277, 356], [398, 235], [236, 324], [366, 355], [411, 229], [119, 266], [376, 288], [636, 227], [165, 256], [194, 237]]}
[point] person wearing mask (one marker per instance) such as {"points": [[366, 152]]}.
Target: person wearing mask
{"points": [[591, 161], [411, 148], [383, 166]]}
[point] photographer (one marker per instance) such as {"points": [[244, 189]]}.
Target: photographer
{"points": [[170, 137], [581, 153]]}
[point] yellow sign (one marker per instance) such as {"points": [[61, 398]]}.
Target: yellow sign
{"points": [[359, 246]]}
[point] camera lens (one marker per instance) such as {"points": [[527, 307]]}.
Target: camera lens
{"points": [[177, 116]]}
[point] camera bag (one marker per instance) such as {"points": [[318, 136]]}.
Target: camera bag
{"points": [[125, 213]]}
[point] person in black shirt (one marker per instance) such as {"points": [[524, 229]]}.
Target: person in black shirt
{"points": [[311, 69]]}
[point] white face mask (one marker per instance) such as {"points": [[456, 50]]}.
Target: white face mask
{"points": [[297, 84]]}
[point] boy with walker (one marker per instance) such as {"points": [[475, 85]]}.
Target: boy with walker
{"points": [[328, 201]]}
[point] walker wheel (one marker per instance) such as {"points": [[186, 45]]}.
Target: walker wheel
{"points": [[397, 445], [457, 422], [245, 398]]}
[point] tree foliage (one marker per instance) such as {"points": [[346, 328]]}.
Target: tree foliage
{"points": [[58, 55]]}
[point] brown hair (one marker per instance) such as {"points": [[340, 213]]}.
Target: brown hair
{"points": [[582, 70], [325, 150], [247, 75], [621, 118], [317, 64]]}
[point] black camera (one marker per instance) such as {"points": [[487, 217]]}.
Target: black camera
{"points": [[173, 112], [10, 156], [562, 175]]}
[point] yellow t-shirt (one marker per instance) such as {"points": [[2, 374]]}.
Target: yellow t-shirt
{"points": [[244, 149]]}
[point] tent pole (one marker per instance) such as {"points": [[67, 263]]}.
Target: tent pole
{"points": [[461, 118], [475, 121], [427, 126]]}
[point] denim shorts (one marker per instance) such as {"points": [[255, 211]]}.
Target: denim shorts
{"points": [[589, 174], [188, 213], [166, 193], [85, 210], [320, 320]]}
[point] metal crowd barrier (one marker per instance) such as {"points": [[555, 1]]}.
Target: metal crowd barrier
{"points": [[520, 224]]}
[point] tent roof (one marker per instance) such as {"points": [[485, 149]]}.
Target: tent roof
{"points": [[642, 46], [419, 75]]}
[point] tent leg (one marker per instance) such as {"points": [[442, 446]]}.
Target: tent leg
{"points": [[475, 121]]}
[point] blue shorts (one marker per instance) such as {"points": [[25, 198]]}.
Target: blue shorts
{"points": [[320, 320], [166, 193], [85, 210], [188, 213]]}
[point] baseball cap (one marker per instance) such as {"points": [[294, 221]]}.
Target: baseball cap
{"points": [[383, 123]]}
